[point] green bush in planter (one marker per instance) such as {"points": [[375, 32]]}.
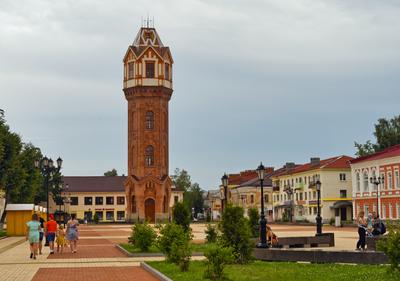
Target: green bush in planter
{"points": [[217, 258], [174, 242], [143, 236], [211, 233], [390, 245]]}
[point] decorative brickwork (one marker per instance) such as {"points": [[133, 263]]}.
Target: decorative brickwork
{"points": [[148, 89]]}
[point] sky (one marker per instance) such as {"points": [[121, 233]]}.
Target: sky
{"points": [[271, 81]]}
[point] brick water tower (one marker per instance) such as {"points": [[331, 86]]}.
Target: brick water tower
{"points": [[148, 89]]}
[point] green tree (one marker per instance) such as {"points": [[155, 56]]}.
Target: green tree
{"points": [[111, 173], [236, 233], [181, 179], [254, 221], [193, 198], [181, 215], [387, 133]]}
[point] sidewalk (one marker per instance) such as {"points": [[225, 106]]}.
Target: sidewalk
{"points": [[96, 259]]}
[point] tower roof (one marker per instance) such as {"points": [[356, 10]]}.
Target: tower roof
{"points": [[147, 36]]}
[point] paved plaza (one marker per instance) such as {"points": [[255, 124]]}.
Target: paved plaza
{"points": [[98, 258]]}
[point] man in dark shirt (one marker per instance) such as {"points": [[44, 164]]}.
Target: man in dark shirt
{"points": [[41, 234]]}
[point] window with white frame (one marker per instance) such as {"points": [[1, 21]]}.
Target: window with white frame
{"points": [[342, 177], [390, 211], [374, 207], [383, 211], [365, 181], [390, 180], [384, 186], [375, 187], [358, 181], [397, 178]]}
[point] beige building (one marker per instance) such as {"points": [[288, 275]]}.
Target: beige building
{"points": [[295, 196], [248, 195]]}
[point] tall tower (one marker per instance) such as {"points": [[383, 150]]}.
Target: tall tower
{"points": [[148, 89]]}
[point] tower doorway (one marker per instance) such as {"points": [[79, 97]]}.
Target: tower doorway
{"points": [[150, 210]]}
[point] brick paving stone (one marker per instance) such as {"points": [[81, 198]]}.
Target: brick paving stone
{"points": [[118, 273], [89, 251], [122, 273]]}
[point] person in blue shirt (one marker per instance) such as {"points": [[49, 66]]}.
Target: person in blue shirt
{"points": [[32, 235]]}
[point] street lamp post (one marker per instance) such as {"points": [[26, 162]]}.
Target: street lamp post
{"points": [[263, 221], [377, 181], [318, 219], [48, 169], [224, 202]]}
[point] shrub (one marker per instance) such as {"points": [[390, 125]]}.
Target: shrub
{"points": [[143, 236], [217, 258], [181, 215], [208, 217], [254, 221], [211, 233], [174, 243], [390, 245], [236, 233], [96, 218]]}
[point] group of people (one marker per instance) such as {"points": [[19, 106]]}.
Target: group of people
{"points": [[37, 229], [370, 226]]}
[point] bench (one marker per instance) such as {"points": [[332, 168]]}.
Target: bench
{"points": [[323, 240]]}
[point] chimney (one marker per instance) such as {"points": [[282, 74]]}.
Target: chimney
{"points": [[289, 166], [315, 161]]}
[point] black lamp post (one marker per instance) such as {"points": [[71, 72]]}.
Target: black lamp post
{"points": [[224, 201], [289, 191], [377, 181], [48, 169], [318, 219], [263, 221]]}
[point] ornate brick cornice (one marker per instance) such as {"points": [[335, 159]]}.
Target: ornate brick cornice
{"points": [[148, 91]]}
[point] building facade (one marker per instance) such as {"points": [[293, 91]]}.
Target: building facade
{"points": [[295, 195], [147, 87], [87, 196], [383, 198]]}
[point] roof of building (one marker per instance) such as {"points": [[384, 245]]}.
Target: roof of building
{"points": [[20, 207], [94, 183], [337, 162], [267, 178], [389, 152], [244, 176]]}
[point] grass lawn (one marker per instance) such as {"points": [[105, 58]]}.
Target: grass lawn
{"points": [[153, 249], [280, 271]]}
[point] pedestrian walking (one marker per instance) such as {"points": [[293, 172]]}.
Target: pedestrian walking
{"points": [[51, 230], [32, 235], [60, 239], [41, 234], [72, 233], [362, 227]]}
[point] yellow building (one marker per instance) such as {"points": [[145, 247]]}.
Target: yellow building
{"points": [[295, 196]]}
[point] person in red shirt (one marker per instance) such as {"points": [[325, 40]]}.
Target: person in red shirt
{"points": [[51, 230]]}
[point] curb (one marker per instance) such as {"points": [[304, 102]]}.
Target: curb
{"points": [[150, 255], [154, 272]]}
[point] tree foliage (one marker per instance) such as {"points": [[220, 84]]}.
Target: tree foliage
{"points": [[20, 180], [254, 221], [217, 258], [387, 133], [143, 236], [236, 233], [193, 198], [111, 173], [390, 245], [181, 179], [181, 215]]}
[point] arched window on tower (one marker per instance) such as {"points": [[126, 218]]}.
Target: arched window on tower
{"points": [[133, 204], [149, 156], [149, 120]]}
